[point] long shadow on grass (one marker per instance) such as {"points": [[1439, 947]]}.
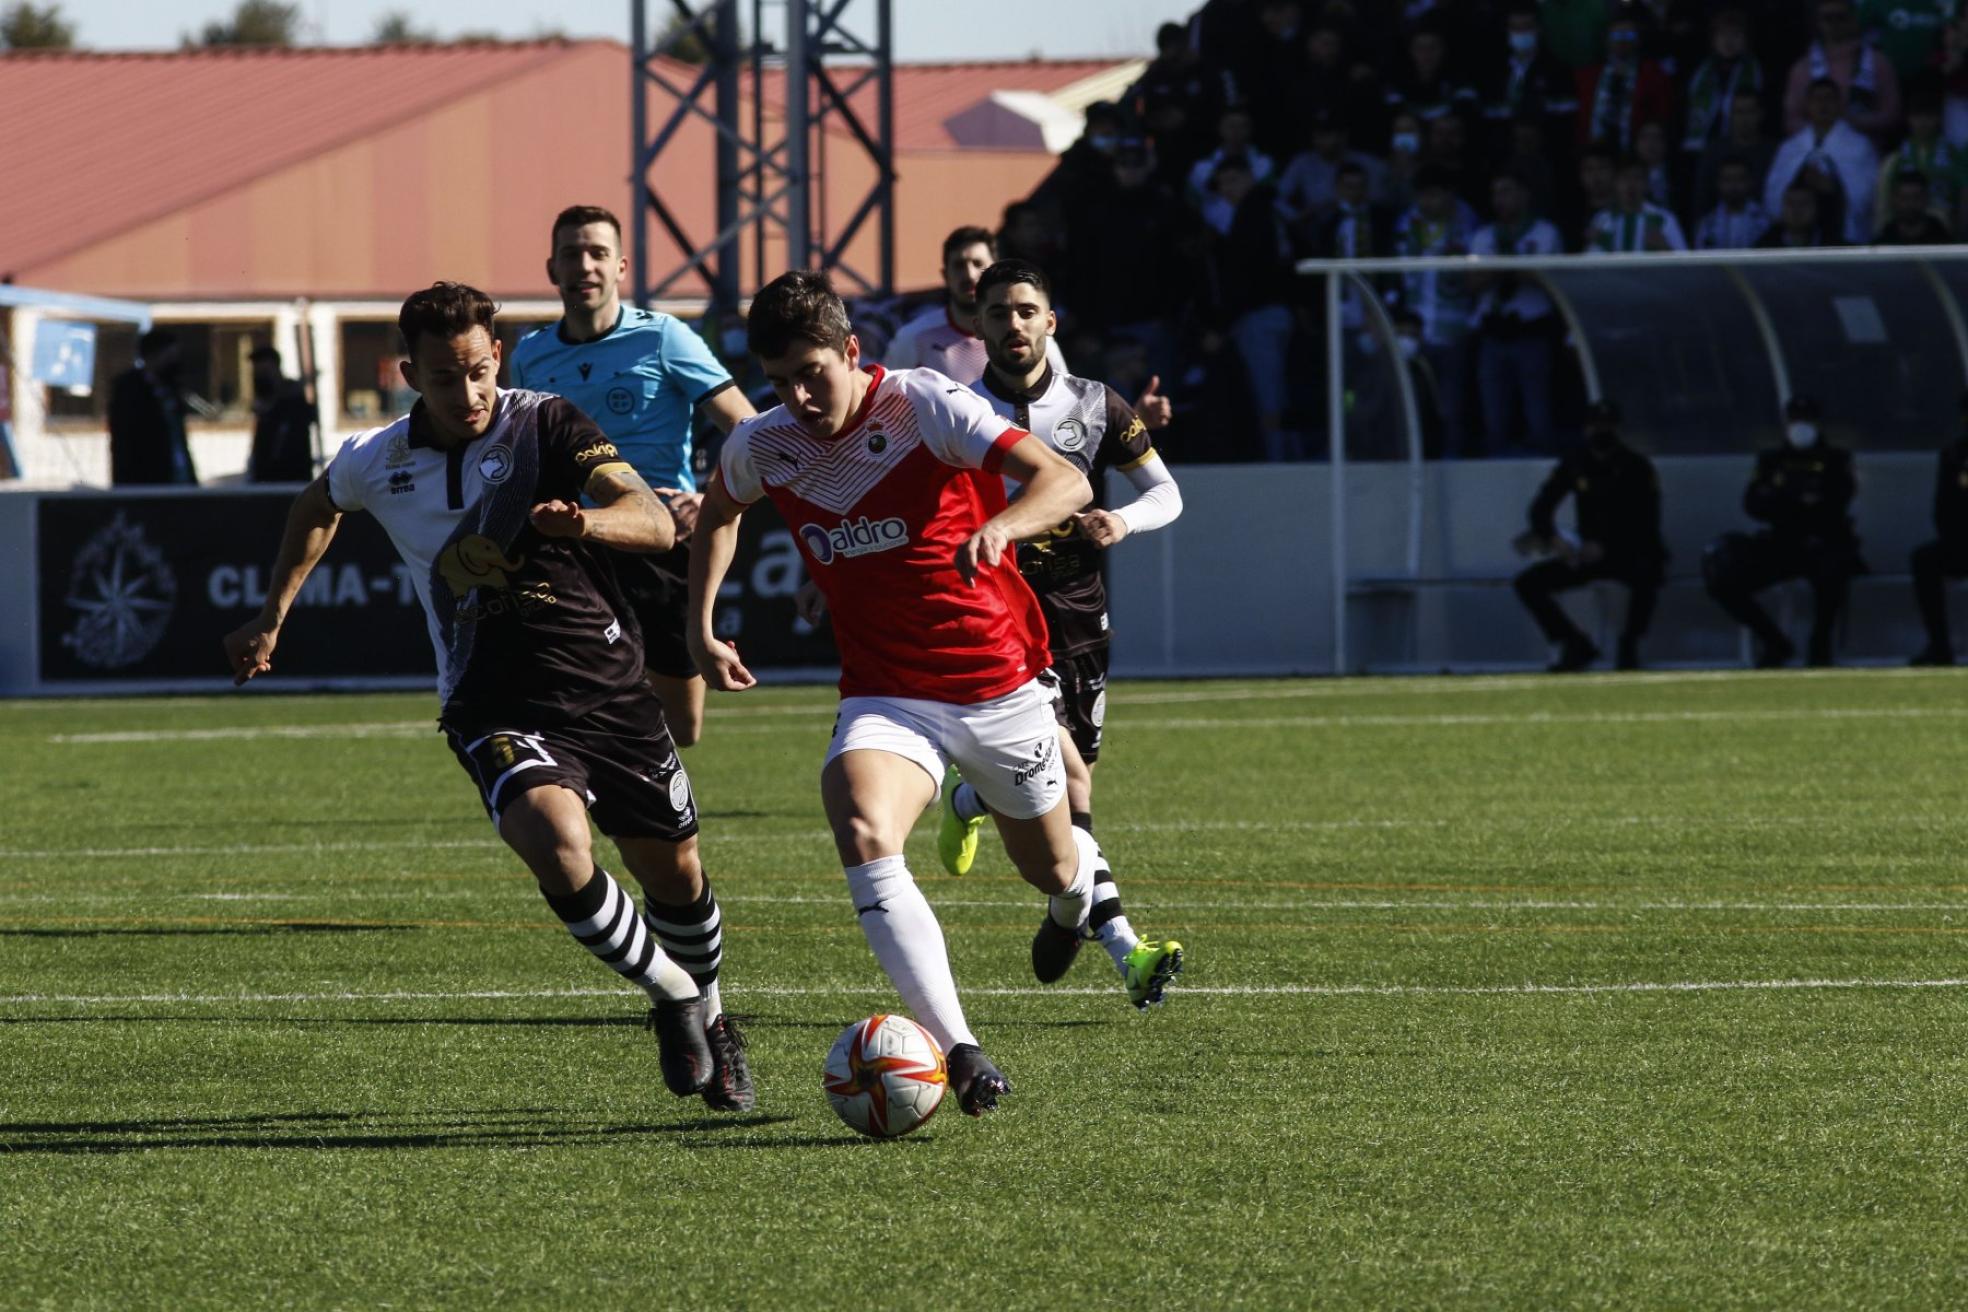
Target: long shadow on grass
{"points": [[506, 1128], [202, 931]]}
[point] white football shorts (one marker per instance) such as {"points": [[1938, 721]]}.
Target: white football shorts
{"points": [[1007, 748]]}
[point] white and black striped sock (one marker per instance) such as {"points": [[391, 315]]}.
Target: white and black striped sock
{"points": [[1107, 922], [602, 919], [693, 937]]}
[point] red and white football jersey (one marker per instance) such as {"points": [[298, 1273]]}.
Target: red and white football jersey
{"points": [[878, 511]]}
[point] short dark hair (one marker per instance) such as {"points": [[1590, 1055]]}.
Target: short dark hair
{"points": [[1821, 82], [1006, 273], [156, 339], [580, 216], [1904, 176], [1350, 168], [446, 310], [797, 306], [264, 352], [962, 239]]}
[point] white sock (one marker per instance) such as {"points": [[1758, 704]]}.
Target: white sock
{"points": [[907, 941], [1109, 924], [965, 802], [1071, 908]]}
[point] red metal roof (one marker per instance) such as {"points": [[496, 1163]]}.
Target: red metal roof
{"points": [[93, 144], [337, 170]]}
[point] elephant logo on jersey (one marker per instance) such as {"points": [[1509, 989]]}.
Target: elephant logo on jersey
{"points": [[1069, 435], [495, 464], [475, 561]]}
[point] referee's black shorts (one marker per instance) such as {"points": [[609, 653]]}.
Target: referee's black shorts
{"points": [[657, 588]]}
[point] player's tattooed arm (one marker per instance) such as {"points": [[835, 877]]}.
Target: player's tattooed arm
{"points": [[626, 514]]}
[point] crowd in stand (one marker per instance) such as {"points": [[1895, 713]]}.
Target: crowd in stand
{"points": [[1266, 131]]}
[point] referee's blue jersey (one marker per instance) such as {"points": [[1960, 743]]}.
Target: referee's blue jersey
{"points": [[641, 381]]}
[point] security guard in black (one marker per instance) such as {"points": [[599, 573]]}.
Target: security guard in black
{"points": [[1616, 495], [1803, 492], [1946, 557]]}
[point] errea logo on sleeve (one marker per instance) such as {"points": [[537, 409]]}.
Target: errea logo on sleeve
{"points": [[854, 537]]}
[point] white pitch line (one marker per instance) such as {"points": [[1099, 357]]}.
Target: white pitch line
{"points": [[1537, 719], [724, 834], [1017, 991], [407, 728], [1149, 901]]}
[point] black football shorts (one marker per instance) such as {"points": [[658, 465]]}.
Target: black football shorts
{"points": [[618, 757]]}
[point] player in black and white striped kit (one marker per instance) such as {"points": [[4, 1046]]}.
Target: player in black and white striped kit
{"points": [[1093, 428], [540, 662]]}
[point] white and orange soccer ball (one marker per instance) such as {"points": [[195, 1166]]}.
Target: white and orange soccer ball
{"points": [[885, 1076]]}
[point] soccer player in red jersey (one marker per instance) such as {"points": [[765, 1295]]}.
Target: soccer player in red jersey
{"points": [[893, 485]]}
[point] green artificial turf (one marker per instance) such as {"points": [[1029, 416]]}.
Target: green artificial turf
{"points": [[1630, 991]]}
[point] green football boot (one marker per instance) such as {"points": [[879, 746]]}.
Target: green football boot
{"points": [[956, 838], [1151, 964]]}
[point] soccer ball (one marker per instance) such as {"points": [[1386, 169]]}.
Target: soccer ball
{"points": [[885, 1076]]}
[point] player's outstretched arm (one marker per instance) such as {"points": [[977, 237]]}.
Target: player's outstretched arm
{"points": [[713, 546], [1157, 503], [626, 515], [1054, 489], [311, 524]]}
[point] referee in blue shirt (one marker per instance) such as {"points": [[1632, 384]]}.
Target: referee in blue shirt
{"points": [[641, 375]]}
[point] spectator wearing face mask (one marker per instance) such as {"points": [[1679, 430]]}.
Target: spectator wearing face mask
{"points": [[1802, 493], [1616, 496], [1633, 222], [1628, 89], [1738, 220], [1527, 80], [1403, 162], [1516, 324], [1834, 159], [1867, 84], [1946, 557]]}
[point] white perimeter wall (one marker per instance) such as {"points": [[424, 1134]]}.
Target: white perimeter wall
{"points": [[1242, 583]]}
